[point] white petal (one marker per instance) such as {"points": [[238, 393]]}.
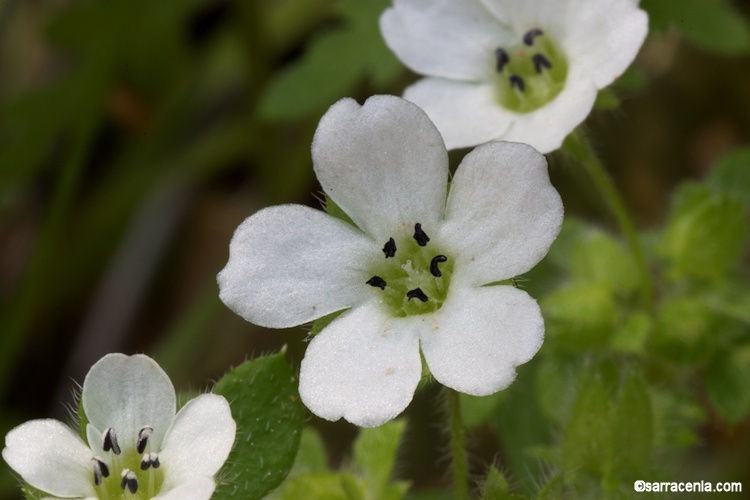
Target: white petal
{"points": [[198, 488], [603, 37], [546, 128], [502, 213], [481, 335], [466, 114], [290, 264], [363, 367], [199, 441], [384, 163], [128, 393], [51, 457], [444, 38]]}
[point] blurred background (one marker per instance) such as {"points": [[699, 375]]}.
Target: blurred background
{"points": [[135, 135]]}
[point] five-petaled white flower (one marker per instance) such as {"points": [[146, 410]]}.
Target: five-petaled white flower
{"points": [[517, 70], [411, 273], [137, 446]]}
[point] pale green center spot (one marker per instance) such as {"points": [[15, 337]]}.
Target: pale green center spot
{"points": [[118, 484], [407, 280], [530, 74]]}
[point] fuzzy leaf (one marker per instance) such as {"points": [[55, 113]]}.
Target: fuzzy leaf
{"points": [[633, 424], [375, 452], [266, 406], [706, 235], [334, 62], [714, 25], [731, 175], [728, 385]]}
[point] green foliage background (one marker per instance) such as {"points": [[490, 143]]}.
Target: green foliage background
{"points": [[136, 135]]}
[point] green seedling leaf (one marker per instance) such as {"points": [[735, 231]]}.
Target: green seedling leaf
{"points": [[731, 175], [581, 315], [476, 409], [713, 25], [375, 452], [266, 406], [685, 331], [728, 385], [606, 99], [334, 62], [633, 429], [596, 257], [706, 235], [587, 441]]}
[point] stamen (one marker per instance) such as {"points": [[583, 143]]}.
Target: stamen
{"points": [[434, 265], [100, 470], [143, 436], [541, 62], [528, 38], [376, 281], [109, 441], [129, 481], [417, 293], [420, 235], [390, 248], [150, 460], [501, 59], [517, 82]]}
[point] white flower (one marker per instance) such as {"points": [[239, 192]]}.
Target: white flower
{"points": [[411, 273], [517, 70], [137, 446]]}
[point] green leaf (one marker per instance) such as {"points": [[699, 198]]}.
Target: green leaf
{"points": [[495, 486], [706, 235], [731, 175], [320, 486], [606, 99], [685, 331], [266, 406], [713, 25], [587, 441], [334, 62], [581, 315], [728, 385], [633, 429], [311, 457], [375, 452], [632, 335], [596, 257]]}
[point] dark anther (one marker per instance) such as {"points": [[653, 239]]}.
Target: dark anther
{"points": [[501, 59], [434, 265], [129, 481], [517, 82], [143, 436], [377, 281], [109, 441], [390, 248], [150, 460], [528, 38], [540, 62], [420, 235], [515, 283], [100, 470], [417, 293]]}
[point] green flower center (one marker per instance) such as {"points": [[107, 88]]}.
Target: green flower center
{"points": [[132, 472], [414, 275], [531, 74]]}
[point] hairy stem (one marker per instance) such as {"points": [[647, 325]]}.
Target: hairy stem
{"points": [[458, 446], [579, 147]]}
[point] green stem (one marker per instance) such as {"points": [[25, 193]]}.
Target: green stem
{"points": [[458, 446], [579, 147]]}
